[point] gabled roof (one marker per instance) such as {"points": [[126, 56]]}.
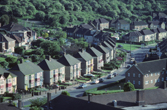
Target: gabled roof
{"points": [[110, 43], [135, 33], [63, 102], [15, 37], [112, 40], [27, 68], [81, 31], [161, 30], [84, 55], [50, 65], [6, 73], [102, 49], [105, 44], [146, 32], [4, 38], [13, 27], [155, 22], [139, 23], [86, 26], [70, 29], [101, 20], [68, 60], [94, 52], [101, 35], [162, 15], [123, 22]]}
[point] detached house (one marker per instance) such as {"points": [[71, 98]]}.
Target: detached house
{"points": [[97, 57], [147, 74], [160, 33], [120, 24], [156, 24], [53, 71], [148, 35], [100, 24], [7, 44], [138, 25], [8, 81], [133, 36], [29, 75], [72, 66], [86, 61]]}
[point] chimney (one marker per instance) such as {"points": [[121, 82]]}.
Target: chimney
{"points": [[89, 97], [135, 62], [164, 84], [81, 50], [21, 60], [20, 104], [140, 97], [48, 99], [48, 57], [146, 56]]}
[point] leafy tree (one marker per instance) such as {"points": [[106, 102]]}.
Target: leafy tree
{"points": [[37, 42], [38, 102], [65, 93], [45, 35], [39, 52], [40, 15], [69, 6], [61, 34], [4, 64], [19, 50], [64, 19], [129, 87], [4, 9], [34, 58], [4, 19]]}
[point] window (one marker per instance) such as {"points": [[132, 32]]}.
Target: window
{"points": [[155, 80], [139, 82], [133, 74], [158, 73], [139, 75], [151, 74], [146, 75], [146, 82], [158, 80], [133, 81], [155, 74], [129, 74], [162, 79], [151, 81]]}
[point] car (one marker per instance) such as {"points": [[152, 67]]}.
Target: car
{"points": [[120, 46], [101, 80], [89, 75], [128, 66], [83, 85], [115, 74], [128, 51], [95, 81], [110, 76]]}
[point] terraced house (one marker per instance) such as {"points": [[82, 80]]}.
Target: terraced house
{"points": [[97, 57], [8, 81], [138, 25], [29, 75], [53, 71], [100, 24], [86, 61], [72, 66], [110, 48], [160, 33]]}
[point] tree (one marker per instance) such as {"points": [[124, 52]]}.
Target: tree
{"points": [[65, 93], [129, 87], [39, 52], [64, 20], [45, 35], [4, 9], [40, 15], [38, 102], [69, 6], [37, 42], [4, 64], [19, 50], [4, 19]]}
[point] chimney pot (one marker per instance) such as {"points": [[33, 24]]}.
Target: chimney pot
{"points": [[48, 57]]}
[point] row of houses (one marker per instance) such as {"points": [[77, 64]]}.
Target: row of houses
{"points": [[146, 35], [15, 35], [49, 71]]}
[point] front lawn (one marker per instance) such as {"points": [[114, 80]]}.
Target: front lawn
{"points": [[127, 46]]}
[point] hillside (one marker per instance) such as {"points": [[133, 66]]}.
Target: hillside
{"points": [[60, 13]]}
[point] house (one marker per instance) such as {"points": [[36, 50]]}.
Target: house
{"points": [[147, 74], [53, 71], [72, 66], [160, 33], [110, 48], [29, 75], [138, 25], [120, 24], [86, 26], [100, 37], [70, 31], [158, 16], [63, 102], [87, 62], [100, 24], [156, 24], [97, 57], [135, 36], [8, 81], [18, 41], [113, 45], [7, 44], [80, 32], [148, 35], [105, 51], [89, 36]]}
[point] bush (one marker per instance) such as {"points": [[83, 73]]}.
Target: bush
{"points": [[59, 81], [129, 87], [19, 50], [4, 64], [65, 93], [38, 102]]}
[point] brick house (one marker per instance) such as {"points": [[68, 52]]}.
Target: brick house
{"points": [[29, 75], [8, 81], [72, 66], [156, 24], [86, 61], [7, 44], [135, 36], [160, 33], [147, 74], [97, 57], [100, 24], [148, 35], [138, 25], [120, 24], [53, 71]]}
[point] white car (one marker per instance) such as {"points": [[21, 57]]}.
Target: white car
{"points": [[89, 75], [95, 81], [110, 76]]}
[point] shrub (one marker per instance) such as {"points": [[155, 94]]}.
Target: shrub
{"points": [[59, 81], [16, 96], [129, 87], [38, 102], [65, 93], [14, 104]]}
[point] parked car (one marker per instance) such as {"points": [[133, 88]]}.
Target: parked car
{"points": [[110, 76], [83, 85], [95, 81], [101, 80], [128, 51], [120, 46], [115, 74], [89, 75], [128, 66]]}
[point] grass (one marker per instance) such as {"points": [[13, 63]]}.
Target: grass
{"points": [[115, 87], [127, 46], [7, 98], [80, 80], [27, 105], [105, 92], [2, 59]]}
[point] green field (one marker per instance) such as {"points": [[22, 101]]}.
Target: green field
{"points": [[127, 46]]}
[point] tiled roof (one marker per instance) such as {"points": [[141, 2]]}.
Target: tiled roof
{"points": [[13, 27], [70, 29], [15, 37], [155, 22], [68, 60], [94, 52], [117, 20], [146, 32], [4, 38], [81, 31], [27, 68], [139, 23], [105, 44], [84, 55], [102, 49], [63, 102], [112, 40], [50, 65], [110, 43], [135, 33], [101, 20], [161, 30]]}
